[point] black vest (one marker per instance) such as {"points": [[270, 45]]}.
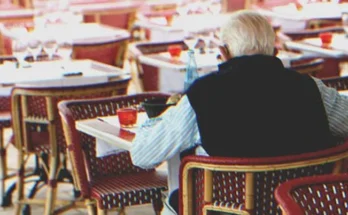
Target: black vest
{"points": [[254, 107]]}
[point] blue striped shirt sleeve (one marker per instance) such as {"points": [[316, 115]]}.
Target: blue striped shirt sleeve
{"points": [[336, 107], [161, 138]]}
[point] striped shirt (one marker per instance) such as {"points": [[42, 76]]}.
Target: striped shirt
{"points": [[159, 139]]}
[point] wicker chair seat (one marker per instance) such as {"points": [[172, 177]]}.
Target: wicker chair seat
{"points": [[126, 190], [229, 205]]}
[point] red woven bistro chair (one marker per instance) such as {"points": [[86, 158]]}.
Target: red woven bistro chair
{"points": [[326, 194], [148, 74], [246, 185], [38, 131], [339, 83], [112, 181]]}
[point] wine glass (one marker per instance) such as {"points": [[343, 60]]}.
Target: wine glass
{"points": [[20, 51], [345, 22], [65, 49], [207, 37], [50, 46], [190, 40], [215, 8], [35, 47]]}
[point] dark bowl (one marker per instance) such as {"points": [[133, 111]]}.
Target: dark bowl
{"points": [[155, 107]]}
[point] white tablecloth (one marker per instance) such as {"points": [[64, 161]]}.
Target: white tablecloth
{"points": [[51, 73]]}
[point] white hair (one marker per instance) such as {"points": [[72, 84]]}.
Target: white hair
{"points": [[247, 33]]}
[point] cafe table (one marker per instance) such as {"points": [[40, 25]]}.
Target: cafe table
{"points": [[293, 17], [57, 73], [111, 139], [338, 48], [171, 72], [160, 29], [82, 34]]}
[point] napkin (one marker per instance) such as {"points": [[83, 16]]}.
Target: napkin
{"points": [[103, 148]]}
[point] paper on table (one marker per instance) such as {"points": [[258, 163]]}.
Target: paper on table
{"points": [[103, 148]]}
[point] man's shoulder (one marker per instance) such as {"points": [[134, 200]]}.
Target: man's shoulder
{"points": [[201, 83]]}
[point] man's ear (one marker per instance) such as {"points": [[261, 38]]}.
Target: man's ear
{"points": [[275, 51], [225, 52]]}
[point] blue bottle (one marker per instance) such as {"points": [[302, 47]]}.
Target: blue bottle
{"points": [[191, 70]]}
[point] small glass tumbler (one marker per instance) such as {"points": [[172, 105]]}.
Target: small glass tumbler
{"points": [[345, 22], [127, 116], [175, 51], [325, 38]]}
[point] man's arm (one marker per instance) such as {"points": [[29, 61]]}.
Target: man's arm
{"points": [[336, 107], [161, 138]]}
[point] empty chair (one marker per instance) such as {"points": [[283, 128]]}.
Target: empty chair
{"points": [[246, 185], [37, 131], [112, 181], [326, 194]]}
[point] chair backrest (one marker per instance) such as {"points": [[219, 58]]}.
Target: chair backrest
{"points": [[82, 147], [246, 185], [308, 66], [35, 119], [339, 83], [148, 73], [325, 194], [230, 6], [111, 53], [121, 16]]}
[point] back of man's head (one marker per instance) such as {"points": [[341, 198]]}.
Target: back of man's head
{"points": [[247, 33]]}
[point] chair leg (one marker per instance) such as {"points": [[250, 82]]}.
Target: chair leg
{"points": [[51, 193], [20, 183], [91, 207], [3, 168], [122, 211], [157, 205], [102, 212]]}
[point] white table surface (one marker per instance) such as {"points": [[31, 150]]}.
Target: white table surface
{"points": [[110, 143], [338, 47], [161, 31], [16, 13], [322, 10], [343, 92], [290, 18], [51, 73], [81, 33]]}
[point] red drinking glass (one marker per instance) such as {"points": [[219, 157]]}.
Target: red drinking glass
{"points": [[127, 117], [175, 51], [326, 37]]}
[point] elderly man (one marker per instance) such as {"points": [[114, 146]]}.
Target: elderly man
{"points": [[251, 107]]}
